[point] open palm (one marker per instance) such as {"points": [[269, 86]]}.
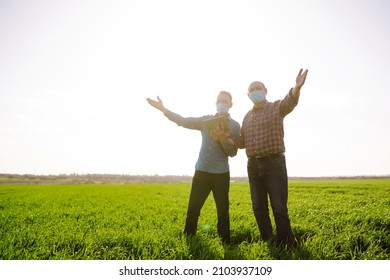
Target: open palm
{"points": [[156, 104], [301, 78]]}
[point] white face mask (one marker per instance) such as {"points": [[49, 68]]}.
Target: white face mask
{"points": [[257, 96], [222, 108]]}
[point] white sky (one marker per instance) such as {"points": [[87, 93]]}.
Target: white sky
{"points": [[74, 76]]}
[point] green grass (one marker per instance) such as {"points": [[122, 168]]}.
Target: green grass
{"points": [[335, 219]]}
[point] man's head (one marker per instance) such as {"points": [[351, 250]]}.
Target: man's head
{"points": [[257, 92], [224, 102], [256, 85]]}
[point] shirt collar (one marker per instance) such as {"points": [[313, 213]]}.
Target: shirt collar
{"points": [[261, 107], [228, 116]]}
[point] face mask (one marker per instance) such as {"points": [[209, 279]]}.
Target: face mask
{"points": [[257, 96], [222, 108]]}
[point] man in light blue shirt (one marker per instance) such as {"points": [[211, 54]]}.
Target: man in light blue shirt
{"points": [[212, 168]]}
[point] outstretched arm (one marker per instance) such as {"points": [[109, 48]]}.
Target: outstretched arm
{"points": [[299, 82]]}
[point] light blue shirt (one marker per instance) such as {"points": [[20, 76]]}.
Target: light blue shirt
{"points": [[213, 155]]}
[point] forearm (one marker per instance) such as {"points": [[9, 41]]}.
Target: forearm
{"points": [[296, 91], [176, 118], [191, 123], [230, 149], [233, 142], [289, 102], [291, 99]]}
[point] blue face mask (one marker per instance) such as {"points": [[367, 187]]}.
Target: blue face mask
{"points": [[222, 108], [257, 96]]}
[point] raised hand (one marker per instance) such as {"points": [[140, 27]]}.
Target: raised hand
{"points": [[301, 78], [156, 104]]}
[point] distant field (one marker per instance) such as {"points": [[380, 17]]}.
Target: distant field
{"points": [[335, 219]]}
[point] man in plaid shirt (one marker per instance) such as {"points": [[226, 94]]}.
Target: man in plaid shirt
{"points": [[262, 135]]}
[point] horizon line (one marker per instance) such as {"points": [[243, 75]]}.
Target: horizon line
{"points": [[176, 175]]}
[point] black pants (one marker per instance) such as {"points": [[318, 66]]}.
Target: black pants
{"points": [[268, 178], [202, 184]]}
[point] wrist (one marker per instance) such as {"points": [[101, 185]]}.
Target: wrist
{"points": [[225, 138], [296, 90]]}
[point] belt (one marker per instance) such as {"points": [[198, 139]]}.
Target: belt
{"points": [[270, 156]]}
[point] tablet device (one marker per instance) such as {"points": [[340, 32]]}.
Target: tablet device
{"points": [[210, 123]]}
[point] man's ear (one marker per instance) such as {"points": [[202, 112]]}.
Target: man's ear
{"points": [[231, 105], [266, 91]]}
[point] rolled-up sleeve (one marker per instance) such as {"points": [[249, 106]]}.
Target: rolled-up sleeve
{"points": [[288, 104]]}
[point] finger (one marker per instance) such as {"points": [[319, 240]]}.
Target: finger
{"points": [[158, 98], [300, 72], [303, 77]]}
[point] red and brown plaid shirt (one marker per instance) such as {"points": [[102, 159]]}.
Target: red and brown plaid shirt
{"points": [[262, 130]]}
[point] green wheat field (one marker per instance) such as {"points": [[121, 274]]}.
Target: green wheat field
{"points": [[331, 219]]}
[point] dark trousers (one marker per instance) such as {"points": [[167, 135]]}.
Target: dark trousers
{"points": [[202, 184], [268, 178]]}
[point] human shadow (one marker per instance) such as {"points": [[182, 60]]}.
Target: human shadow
{"points": [[200, 248], [233, 250], [298, 250], [243, 236], [203, 247]]}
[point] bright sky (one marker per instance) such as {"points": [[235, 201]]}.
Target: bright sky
{"points": [[74, 76]]}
